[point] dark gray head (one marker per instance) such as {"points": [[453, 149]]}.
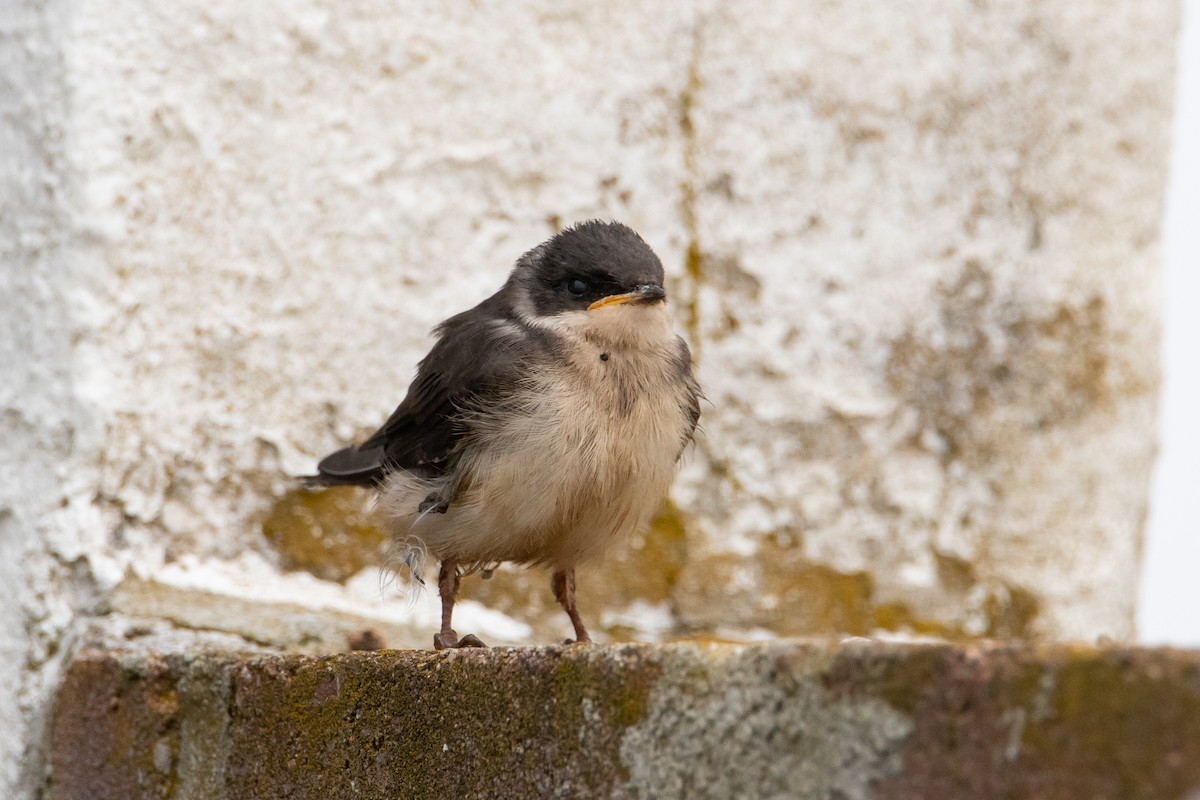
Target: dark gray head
{"points": [[589, 264]]}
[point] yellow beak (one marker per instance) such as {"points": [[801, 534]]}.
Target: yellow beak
{"points": [[649, 293]]}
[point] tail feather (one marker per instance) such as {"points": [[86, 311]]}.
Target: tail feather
{"points": [[349, 466]]}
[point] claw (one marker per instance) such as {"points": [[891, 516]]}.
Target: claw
{"points": [[448, 640]]}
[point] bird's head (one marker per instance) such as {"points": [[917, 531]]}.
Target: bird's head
{"points": [[600, 278]]}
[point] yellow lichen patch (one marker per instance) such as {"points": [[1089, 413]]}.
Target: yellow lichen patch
{"points": [[900, 618], [1011, 613], [645, 568], [817, 599], [956, 575], [776, 589], [326, 532]]}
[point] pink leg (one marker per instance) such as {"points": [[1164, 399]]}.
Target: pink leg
{"points": [[563, 585], [446, 638]]}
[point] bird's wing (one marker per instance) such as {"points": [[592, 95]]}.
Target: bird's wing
{"points": [[475, 360], [693, 395]]}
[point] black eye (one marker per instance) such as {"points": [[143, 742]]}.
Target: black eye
{"points": [[577, 287]]}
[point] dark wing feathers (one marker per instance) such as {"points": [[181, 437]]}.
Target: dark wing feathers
{"points": [[683, 363], [471, 362], [474, 360], [353, 466]]}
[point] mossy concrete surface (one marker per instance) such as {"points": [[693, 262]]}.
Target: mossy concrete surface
{"points": [[858, 719]]}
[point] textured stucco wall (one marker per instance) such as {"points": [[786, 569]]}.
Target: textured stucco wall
{"points": [[52, 541], [913, 245]]}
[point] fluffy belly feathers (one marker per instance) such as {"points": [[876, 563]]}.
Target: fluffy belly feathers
{"points": [[578, 465]]}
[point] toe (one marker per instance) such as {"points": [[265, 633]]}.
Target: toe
{"points": [[448, 640]]}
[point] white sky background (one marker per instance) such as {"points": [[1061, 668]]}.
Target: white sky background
{"points": [[1169, 611]]}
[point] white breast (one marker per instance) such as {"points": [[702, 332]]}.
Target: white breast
{"points": [[584, 460]]}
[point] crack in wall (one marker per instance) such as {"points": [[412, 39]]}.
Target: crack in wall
{"points": [[693, 254]]}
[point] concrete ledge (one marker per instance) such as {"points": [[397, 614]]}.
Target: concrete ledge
{"points": [[786, 719]]}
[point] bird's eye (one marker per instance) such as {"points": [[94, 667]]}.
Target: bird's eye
{"points": [[577, 287]]}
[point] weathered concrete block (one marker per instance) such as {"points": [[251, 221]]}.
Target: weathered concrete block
{"points": [[860, 720]]}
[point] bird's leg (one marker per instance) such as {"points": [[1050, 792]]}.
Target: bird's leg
{"points": [[446, 638], [563, 585]]}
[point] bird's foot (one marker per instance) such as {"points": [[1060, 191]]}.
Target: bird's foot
{"points": [[580, 640], [448, 640]]}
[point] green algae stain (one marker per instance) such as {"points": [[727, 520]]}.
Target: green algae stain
{"points": [[1113, 712], [1128, 720], [615, 698], [143, 726], [1006, 720], [326, 532], [504, 722], [905, 679]]}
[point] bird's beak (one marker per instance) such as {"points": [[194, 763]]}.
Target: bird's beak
{"points": [[647, 294]]}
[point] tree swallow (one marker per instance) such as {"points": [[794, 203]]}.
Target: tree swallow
{"points": [[545, 423]]}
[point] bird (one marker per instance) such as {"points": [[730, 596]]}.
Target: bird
{"points": [[545, 424]]}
